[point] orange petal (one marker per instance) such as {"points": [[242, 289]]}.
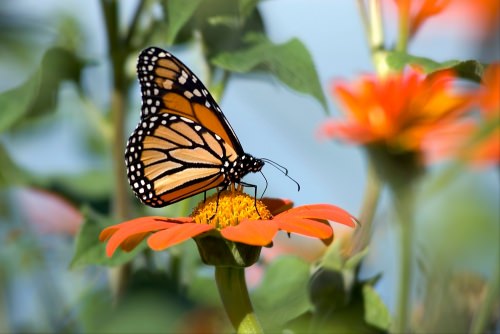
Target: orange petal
{"points": [[306, 227], [277, 205], [320, 211], [489, 96], [174, 235], [353, 132], [120, 233], [110, 230], [131, 242], [251, 232]]}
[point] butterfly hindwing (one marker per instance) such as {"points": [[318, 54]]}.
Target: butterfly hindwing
{"points": [[170, 158]]}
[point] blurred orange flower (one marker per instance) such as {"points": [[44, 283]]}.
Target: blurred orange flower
{"points": [[477, 142], [489, 93], [483, 15], [235, 219], [418, 11], [397, 111], [487, 150], [478, 18]]}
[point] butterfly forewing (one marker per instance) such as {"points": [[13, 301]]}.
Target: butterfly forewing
{"points": [[168, 86]]}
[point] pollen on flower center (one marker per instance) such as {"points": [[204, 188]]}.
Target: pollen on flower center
{"points": [[233, 207]]}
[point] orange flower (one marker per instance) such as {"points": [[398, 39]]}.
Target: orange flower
{"points": [[489, 93], [487, 150], [398, 110], [483, 16], [419, 11], [236, 219], [475, 142]]}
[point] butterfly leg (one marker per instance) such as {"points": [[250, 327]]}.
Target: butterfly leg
{"points": [[217, 202], [244, 184]]}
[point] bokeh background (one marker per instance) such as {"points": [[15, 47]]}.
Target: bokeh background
{"points": [[69, 161]]}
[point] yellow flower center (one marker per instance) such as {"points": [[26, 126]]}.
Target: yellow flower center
{"points": [[233, 207]]}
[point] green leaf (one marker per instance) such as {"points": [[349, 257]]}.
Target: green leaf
{"points": [[90, 251], [203, 290], [356, 259], [333, 259], [10, 173], [329, 290], [282, 296], [468, 69], [38, 94], [58, 65], [290, 62], [95, 184], [398, 60], [376, 313], [247, 7], [224, 23], [179, 13], [14, 103]]}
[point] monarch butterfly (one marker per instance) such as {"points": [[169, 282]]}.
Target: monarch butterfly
{"points": [[183, 144]]}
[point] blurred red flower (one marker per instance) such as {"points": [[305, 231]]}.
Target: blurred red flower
{"points": [[49, 213]]}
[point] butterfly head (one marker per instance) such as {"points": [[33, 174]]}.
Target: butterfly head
{"points": [[240, 167], [251, 164]]}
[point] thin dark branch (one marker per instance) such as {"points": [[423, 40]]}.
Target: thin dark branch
{"points": [[364, 18], [133, 24], [110, 10]]}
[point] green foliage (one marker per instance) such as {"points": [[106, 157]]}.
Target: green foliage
{"points": [[178, 14], [340, 307], [10, 173], [203, 289], [282, 295], [376, 313], [37, 96], [334, 289], [90, 251], [85, 187], [207, 21], [15, 103], [469, 69], [290, 62]]}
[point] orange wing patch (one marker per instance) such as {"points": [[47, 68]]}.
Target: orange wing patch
{"points": [[195, 155], [188, 132], [157, 169], [179, 179], [196, 188]]}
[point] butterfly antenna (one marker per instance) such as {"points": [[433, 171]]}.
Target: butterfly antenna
{"points": [[281, 169], [265, 186]]}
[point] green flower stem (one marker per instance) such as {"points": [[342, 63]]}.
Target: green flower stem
{"points": [[376, 29], [403, 199], [368, 209], [117, 52], [484, 314], [376, 37], [404, 27], [234, 294]]}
